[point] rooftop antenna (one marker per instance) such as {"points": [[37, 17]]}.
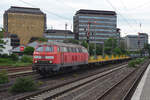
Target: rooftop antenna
{"points": [[51, 27], [66, 26], [71, 27], [141, 27]]}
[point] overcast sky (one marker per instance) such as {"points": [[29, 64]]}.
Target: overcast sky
{"points": [[130, 13]]}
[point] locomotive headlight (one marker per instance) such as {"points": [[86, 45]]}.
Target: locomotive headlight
{"points": [[37, 57], [49, 57], [50, 61]]}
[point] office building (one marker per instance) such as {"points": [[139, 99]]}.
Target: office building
{"points": [[143, 39], [24, 22], [131, 42], [136, 42], [58, 35], [97, 24]]}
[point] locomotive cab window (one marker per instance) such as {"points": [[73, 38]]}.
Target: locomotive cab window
{"points": [[58, 49], [65, 49], [80, 50], [70, 49], [77, 50], [61, 49], [49, 49]]}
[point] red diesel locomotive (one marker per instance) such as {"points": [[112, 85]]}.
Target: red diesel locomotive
{"points": [[53, 56]]}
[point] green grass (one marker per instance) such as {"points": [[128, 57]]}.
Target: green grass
{"points": [[11, 63], [6, 62], [21, 64]]}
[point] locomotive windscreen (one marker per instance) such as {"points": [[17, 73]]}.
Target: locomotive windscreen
{"points": [[44, 48], [40, 48], [49, 49]]}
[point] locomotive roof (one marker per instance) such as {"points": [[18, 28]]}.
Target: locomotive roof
{"points": [[62, 44]]}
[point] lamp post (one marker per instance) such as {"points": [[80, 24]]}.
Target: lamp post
{"points": [[88, 32], [103, 49], [95, 41], [118, 32]]}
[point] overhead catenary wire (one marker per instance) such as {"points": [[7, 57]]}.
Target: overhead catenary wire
{"points": [[139, 22], [140, 6], [51, 13], [65, 4], [130, 26], [66, 19], [125, 8]]}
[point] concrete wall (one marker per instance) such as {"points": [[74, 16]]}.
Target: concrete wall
{"points": [[26, 26]]}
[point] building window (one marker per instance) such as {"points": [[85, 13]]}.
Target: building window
{"points": [[100, 17], [104, 22]]}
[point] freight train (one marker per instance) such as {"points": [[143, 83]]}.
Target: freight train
{"points": [[53, 57]]}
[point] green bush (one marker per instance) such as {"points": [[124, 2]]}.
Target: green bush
{"points": [[132, 63], [29, 50], [23, 84], [146, 57], [26, 59], [138, 60], [135, 62], [14, 57], [3, 77]]}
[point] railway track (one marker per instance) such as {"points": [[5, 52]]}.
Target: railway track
{"points": [[15, 69], [124, 88], [58, 91], [51, 81]]}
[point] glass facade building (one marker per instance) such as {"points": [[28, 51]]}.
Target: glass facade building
{"points": [[100, 24], [58, 35]]}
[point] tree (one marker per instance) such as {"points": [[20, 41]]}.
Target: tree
{"points": [[91, 48], [73, 41], [41, 39], [117, 51], [107, 50], [2, 32], [111, 42], [85, 44], [28, 50], [109, 45], [99, 49], [1, 36]]}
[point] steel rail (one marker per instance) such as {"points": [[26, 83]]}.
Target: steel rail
{"points": [[58, 90]]}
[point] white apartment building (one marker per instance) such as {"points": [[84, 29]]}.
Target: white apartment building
{"points": [[6, 47]]}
